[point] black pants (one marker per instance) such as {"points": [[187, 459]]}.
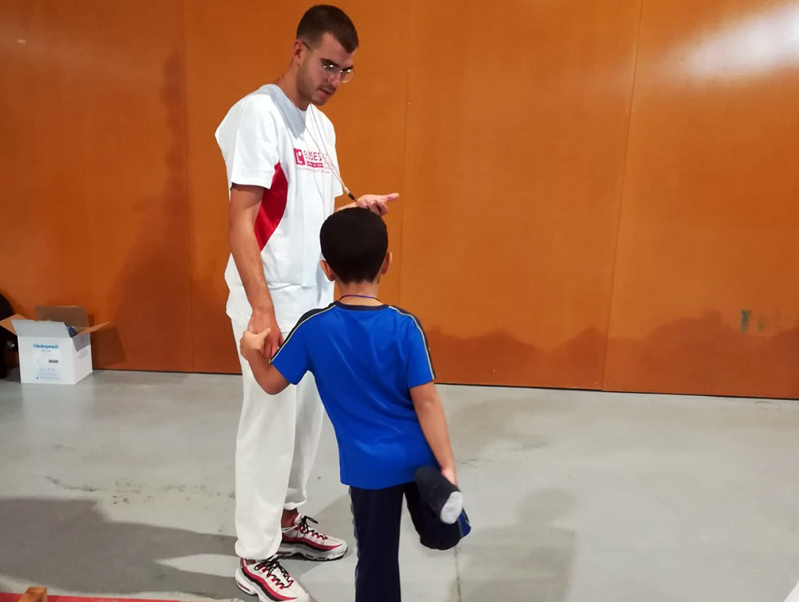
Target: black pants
{"points": [[377, 514]]}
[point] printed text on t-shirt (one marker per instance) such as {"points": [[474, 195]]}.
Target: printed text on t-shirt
{"points": [[313, 159]]}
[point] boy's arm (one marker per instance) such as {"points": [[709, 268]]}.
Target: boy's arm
{"points": [[434, 426], [266, 375]]}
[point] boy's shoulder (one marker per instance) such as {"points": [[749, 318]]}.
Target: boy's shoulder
{"points": [[411, 325], [405, 313], [316, 316], [317, 311], [308, 317]]}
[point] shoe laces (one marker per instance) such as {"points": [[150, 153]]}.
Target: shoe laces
{"points": [[275, 571], [305, 528]]}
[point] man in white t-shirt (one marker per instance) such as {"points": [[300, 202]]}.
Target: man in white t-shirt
{"points": [[283, 175]]}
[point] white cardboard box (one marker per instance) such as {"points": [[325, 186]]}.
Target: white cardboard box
{"points": [[47, 351]]}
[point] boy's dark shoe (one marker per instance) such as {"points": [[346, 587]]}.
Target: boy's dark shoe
{"points": [[441, 496]]}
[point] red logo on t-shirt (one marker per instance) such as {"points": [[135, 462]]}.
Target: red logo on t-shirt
{"points": [[313, 159]]}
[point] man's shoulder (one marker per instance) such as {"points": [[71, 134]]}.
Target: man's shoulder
{"points": [[258, 102], [256, 107], [261, 99]]}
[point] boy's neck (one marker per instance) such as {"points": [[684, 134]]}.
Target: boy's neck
{"points": [[359, 293]]}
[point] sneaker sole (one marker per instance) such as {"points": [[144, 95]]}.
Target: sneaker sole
{"points": [[250, 589], [286, 550], [452, 508]]}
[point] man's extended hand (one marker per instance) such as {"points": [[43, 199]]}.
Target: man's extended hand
{"points": [[265, 320], [377, 203]]}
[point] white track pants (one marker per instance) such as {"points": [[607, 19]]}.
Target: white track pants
{"points": [[275, 449]]}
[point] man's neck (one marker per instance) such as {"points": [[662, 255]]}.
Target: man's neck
{"points": [[288, 83]]}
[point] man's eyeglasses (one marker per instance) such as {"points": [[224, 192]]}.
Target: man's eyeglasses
{"points": [[332, 70]]}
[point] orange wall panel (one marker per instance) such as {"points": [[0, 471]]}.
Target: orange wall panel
{"points": [[229, 53], [95, 175], [704, 297], [517, 127]]}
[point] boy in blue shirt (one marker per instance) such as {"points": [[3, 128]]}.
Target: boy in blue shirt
{"points": [[374, 373]]}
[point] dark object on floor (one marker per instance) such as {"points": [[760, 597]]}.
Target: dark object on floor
{"points": [[8, 341]]}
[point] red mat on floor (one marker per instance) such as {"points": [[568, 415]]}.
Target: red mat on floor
{"points": [[55, 598]]}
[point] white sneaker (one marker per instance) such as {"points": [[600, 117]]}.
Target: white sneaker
{"points": [[268, 580], [303, 540]]}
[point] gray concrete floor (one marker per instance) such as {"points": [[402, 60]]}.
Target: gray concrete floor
{"points": [[122, 486]]}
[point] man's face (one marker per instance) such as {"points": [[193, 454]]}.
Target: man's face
{"points": [[314, 83]]}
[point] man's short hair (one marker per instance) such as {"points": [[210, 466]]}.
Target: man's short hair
{"points": [[354, 244], [322, 19]]}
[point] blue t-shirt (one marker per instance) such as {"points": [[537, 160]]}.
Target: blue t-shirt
{"points": [[365, 359]]}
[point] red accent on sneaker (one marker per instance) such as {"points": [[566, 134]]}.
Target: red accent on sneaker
{"points": [[271, 587], [307, 542]]}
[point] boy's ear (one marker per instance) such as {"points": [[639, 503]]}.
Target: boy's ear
{"points": [[386, 263], [327, 270]]}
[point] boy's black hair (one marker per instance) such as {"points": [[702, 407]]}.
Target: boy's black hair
{"points": [[322, 19], [354, 244]]}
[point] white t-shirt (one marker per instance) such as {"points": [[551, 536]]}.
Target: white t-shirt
{"points": [[267, 141]]}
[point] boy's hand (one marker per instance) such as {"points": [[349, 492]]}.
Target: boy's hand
{"points": [[376, 203], [252, 343], [449, 473]]}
